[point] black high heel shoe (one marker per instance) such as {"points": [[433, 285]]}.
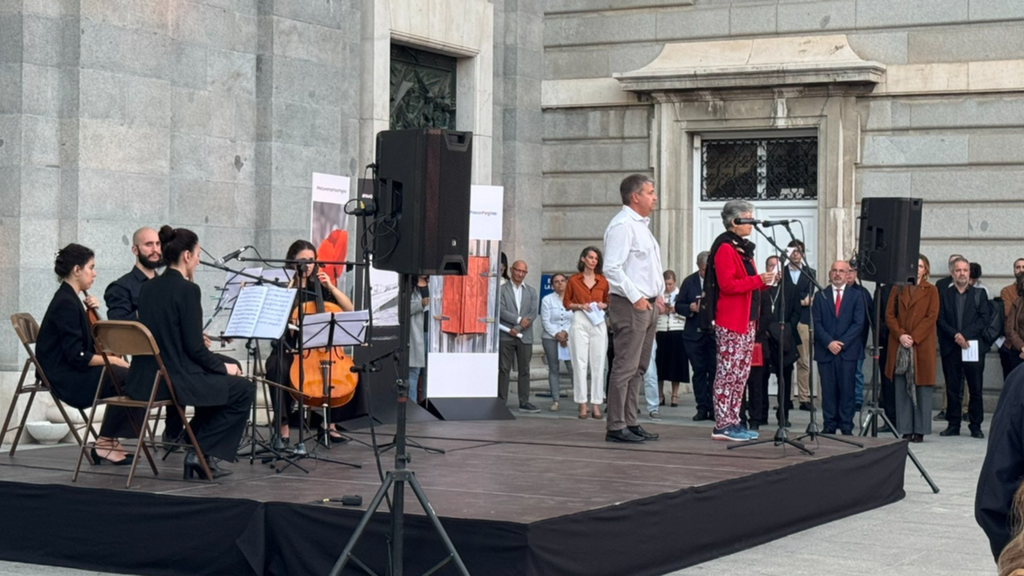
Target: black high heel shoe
{"points": [[96, 460], [194, 468]]}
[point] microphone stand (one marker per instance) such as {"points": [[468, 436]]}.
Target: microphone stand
{"points": [[781, 437]]}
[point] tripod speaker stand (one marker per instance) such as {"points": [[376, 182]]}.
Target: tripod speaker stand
{"points": [[400, 476]]}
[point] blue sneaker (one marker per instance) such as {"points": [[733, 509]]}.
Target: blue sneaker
{"points": [[751, 435], [730, 433]]}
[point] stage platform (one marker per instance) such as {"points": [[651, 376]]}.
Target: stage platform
{"points": [[527, 497]]}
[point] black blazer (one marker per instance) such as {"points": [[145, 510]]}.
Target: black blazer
{"points": [[171, 307], [65, 347], [802, 288], [975, 320], [689, 292]]}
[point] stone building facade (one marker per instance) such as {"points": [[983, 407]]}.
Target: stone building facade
{"points": [[211, 114]]}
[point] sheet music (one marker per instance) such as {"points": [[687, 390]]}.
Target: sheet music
{"points": [[970, 354], [260, 312], [233, 285], [349, 329], [277, 307]]}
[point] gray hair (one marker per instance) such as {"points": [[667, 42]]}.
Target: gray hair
{"points": [[631, 185], [957, 260], [702, 258], [735, 209]]}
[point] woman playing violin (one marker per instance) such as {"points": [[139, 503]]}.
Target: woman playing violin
{"points": [[66, 353], [310, 274]]}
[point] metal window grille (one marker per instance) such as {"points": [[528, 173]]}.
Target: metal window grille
{"points": [[759, 169]]}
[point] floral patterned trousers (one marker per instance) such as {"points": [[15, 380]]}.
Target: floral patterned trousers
{"points": [[734, 353]]}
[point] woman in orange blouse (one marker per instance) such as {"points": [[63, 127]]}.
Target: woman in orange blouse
{"points": [[588, 342]]}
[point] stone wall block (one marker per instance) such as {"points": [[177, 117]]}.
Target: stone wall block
{"points": [[975, 184], [245, 204], [579, 222], [40, 140], [294, 164], [879, 13], [104, 195], [37, 240], [1007, 148], [231, 160], [966, 44], [330, 13], [10, 193], [188, 21], [190, 110], [292, 39], [10, 88], [582, 189], [130, 51], [994, 111], [619, 122], [941, 149], [10, 235], [149, 102], [107, 146], [194, 203], [10, 141], [12, 36], [758, 19], [245, 118], [577, 63], [42, 41], [222, 114], [327, 46], [305, 82], [40, 90], [995, 10], [692, 23], [190, 156], [816, 17], [188, 65], [596, 157], [884, 114], [232, 72], [40, 191], [103, 95], [611, 27], [884, 47], [290, 208]]}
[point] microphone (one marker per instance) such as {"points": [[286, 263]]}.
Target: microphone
{"points": [[767, 223], [232, 255]]}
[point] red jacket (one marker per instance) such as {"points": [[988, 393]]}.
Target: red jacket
{"points": [[734, 288]]}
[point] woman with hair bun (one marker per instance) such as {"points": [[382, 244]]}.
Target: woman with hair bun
{"points": [[65, 350], [170, 305]]}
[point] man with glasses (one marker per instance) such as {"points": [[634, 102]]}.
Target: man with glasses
{"points": [[519, 305], [838, 321]]}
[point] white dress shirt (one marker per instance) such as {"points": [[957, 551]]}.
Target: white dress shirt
{"points": [[553, 316], [632, 258], [517, 291]]}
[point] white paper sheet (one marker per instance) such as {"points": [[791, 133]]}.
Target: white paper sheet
{"points": [[594, 314], [349, 329], [970, 354], [508, 330], [260, 312], [563, 353]]}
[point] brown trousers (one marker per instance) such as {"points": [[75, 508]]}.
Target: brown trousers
{"points": [[633, 338]]}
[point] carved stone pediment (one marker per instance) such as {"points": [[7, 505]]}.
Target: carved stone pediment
{"points": [[754, 63]]}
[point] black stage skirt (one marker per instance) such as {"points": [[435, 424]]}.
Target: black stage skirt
{"points": [[670, 358]]}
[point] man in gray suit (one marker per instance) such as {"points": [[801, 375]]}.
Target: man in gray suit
{"points": [[519, 305]]}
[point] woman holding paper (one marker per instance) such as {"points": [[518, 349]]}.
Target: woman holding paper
{"points": [[586, 296], [302, 250], [171, 307], [911, 314]]}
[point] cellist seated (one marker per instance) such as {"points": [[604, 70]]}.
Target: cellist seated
{"points": [[288, 413]]}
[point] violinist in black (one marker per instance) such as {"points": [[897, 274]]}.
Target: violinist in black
{"points": [[288, 415], [66, 352], [170, 306]]}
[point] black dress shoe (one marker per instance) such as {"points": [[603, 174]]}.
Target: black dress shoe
{"points": [[700, 416], [917, 438], [623, 435], [950, 431], [192, 467], [639, 431], [754, 425], [806, 406], [97, 460], [940, 416], [975, 433]]}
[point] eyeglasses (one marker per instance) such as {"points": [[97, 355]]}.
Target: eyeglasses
{"points": [[520, 270]]}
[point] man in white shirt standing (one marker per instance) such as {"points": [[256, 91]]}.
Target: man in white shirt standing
{"points": [[632, 266]]}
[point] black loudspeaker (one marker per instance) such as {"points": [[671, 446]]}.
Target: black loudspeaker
{"points": [[890, 240], [422, 198]]}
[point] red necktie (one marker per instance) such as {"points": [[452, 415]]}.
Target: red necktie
{"points": [[839, 300]]}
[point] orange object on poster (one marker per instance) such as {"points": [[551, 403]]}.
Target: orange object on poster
{"points": [[334, 248], [464, 304]]}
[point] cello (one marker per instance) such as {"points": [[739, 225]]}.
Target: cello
{"points": [[321, 365]]}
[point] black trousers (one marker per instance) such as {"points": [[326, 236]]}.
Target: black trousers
{"points": [[702, 354], [219, 429], [954, 369], [172, 425], [1009, 359]]}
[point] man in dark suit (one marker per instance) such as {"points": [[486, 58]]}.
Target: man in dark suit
{"points": [[964, 314], [519, 307], [798, 283], [838, 322], [699, 345]]}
